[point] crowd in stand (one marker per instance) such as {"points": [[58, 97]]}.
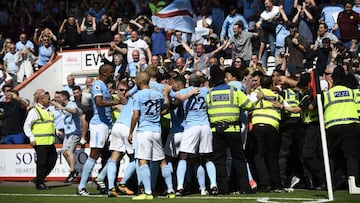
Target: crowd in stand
{"points": [[239, 37]]}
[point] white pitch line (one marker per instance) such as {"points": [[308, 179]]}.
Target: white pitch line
{"points": [[259, 199]]}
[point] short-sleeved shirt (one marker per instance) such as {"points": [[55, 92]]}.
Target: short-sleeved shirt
{"points": [[242, 46], [101, 114], [139, 45], [45, 54], [126, 113], [72, 123], [19, 45], [149, 103], [195, 107], [9, 59]]}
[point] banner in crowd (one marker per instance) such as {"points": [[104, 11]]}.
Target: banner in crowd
{"points": [[176, 16]]}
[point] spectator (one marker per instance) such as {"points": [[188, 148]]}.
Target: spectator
{"points": [[24, 43], [10, 65], [297, 47], [329, 13], [14, 116], [72, 131], [5, 48], [323, 33], [96, 10], [201, 55], [158, 42], [144, 25], [88, 29], [83, 101], [203, 22], [45, 33], [117, 46], [323, 56], [70, 79], [118, 64], [217, 13], [104, 33], [46, 52], [241, 43], [306, 23], [268, 21], [347, 23], [135, 43], [119, 28], [136, 65], [255, 65], [24, 60], [5, 79], [229, 22], [70, 32]]}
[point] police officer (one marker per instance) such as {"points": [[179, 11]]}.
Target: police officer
{"points": [[340, 117], [266, 140], [39, 127], [291, 133], [224, 105]]}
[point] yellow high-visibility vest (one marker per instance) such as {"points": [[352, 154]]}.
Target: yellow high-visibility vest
{"points": [[339, 107], [224, 105], [43, 128], [264, 112]]}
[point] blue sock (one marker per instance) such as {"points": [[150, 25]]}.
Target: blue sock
{"points": [[103, 171], [171, 166], [111, 173], [130, 169], [166, 173], [144, 173], [180, 174], [211, 170], [200, 175], [88, 167], [154, 170]]}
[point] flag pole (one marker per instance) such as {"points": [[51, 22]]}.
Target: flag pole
{"points": [[323, 137], [324, 147]]}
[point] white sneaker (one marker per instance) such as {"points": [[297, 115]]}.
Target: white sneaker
{"points": [[204, 192]]}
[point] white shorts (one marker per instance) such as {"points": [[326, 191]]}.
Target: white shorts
{"points": [[173, 144], [149, 146], [197, 136], [99, 134], [70, 142], [119, 139]]}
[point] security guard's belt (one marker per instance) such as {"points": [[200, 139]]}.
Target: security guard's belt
{"points": [[221, 126]]}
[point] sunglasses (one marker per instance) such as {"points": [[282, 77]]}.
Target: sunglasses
{"points": [[237, 61], [122, 90]]}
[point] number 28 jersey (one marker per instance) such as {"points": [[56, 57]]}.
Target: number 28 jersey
{"points": [[149, 103]]}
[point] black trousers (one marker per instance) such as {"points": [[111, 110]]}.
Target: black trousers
{"points": [[312, 152], [266, 145], [233, 141], [342, 139], [46, 157], [292, 141]]}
